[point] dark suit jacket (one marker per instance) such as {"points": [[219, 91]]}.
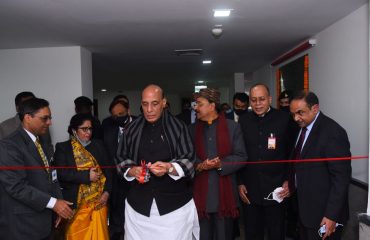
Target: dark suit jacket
{"points": [[185, 116], [322, 187], [110, 139], [230, 115], [70, 179], [120, 187], [24, 193]]}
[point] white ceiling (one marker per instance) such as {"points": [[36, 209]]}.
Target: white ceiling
{"points": [[132, 41]]}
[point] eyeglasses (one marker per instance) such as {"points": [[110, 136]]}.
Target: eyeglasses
{"points": [[44, 118], [86, 129]]}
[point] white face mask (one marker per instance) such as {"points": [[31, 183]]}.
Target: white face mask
{"points": [[193, 105], [275, 195], [83, 143]]}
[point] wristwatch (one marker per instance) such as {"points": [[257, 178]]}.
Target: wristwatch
{"points": [[170, 170]]}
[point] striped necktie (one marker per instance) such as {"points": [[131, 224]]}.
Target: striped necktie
{"points": [[298, 147], [297, 155], [42, 155]]}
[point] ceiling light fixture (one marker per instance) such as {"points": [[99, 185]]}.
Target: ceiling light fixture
{"points": [[221, 12], [188, 52], [207, 61], [197, 88], [217, 31], [103, 90]]}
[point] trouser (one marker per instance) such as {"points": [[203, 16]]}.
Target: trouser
{"points": [[292, 221], [216, 228], [258, 219], [117, 208]]}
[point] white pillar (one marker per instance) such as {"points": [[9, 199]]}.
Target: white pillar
{"points": [[368, 196], [239, 82], [58, 74], [225, 94]]}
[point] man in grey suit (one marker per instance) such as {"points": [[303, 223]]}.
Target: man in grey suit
{"points": [[29, 196], [11, 124]]}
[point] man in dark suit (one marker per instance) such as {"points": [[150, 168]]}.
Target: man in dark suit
{"points": [[240, 106], [109, 121], [188, 114], [322, 187], [29, 196], [120, 119]]}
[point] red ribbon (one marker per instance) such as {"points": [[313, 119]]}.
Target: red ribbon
{"points": [[143, 172], [225, 163]]}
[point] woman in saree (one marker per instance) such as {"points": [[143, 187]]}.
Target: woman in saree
{"points": [[83, 181]]}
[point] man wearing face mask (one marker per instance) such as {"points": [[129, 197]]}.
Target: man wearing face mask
{"points": [[284, 100], [240, 106], [188, 115], [109, 121], [265, 132], [112, 134]]}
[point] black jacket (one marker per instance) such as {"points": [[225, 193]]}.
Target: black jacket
{"points": [[24, 193], [168, 193], [70, 179], [261, 179]]}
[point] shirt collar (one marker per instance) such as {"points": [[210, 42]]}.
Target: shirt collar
{"points": [[309, 127], [236, 117], [261, 116], [33, 137]]}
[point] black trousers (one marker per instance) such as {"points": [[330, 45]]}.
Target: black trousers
{"points": [[292, 221], [258, 219], [117, 208], [216, 228]]}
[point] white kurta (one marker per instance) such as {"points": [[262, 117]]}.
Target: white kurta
{"points": [[181, 224]]}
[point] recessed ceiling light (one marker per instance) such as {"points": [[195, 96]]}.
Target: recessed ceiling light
{"points": [[103, 90], [197, 88], [221, 12], [189, 52], [207, 61]]}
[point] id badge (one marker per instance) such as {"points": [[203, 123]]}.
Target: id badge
{"points": [[54, 177], [271, 142]]}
